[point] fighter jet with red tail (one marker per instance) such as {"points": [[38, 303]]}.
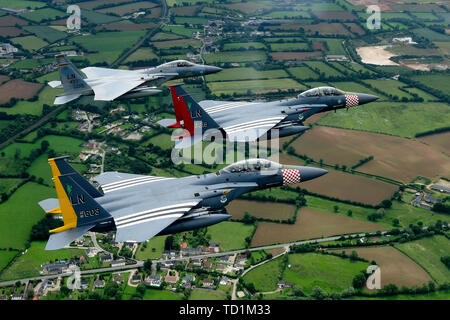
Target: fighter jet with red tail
{"points": [[246, 121]]}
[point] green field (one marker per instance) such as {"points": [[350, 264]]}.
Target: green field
{"points": [[161, 36], [5, 257], [29, 264], [256, 86], [323, 68], [266, 276], [29, 43], [202, 294], [41, 169], [303, 73], [142, 54], [230, 235], [389, 86], [97, 17], [22, 214], [44, 14], [434, 81], [427, 253], [190, 20], [20, 4], [151, 294], [181, 30], [46, 33], [294, 46], [244, 45], [395, 118], [332, 274], [108, 46], [60, 144], [222, 57], [231, 74], [7, 184], [334, 45], [154, 249]]}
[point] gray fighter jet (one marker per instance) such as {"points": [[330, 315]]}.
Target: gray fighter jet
{"points": [[245, 121], [115, 84], [140, 207]]}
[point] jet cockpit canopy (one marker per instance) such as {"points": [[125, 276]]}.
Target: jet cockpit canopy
{"points": [[321, 92], [251, 165], [179, 63]]}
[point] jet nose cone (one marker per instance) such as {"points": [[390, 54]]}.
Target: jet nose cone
{"points": [[309, 173], [212, 69], [366, 98]]}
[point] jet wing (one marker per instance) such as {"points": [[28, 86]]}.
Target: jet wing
{"points": [[144, 225], [95, 72], [111, 90], [251, 130], [142, 206]]}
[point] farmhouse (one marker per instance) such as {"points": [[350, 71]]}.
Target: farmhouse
{"points": [[208, 283], [136, 278], [170, 279], [283, 284], [118, 280], [84, 284], [118, 263], [207, 265], [99, 284], [332, 57], [153, 281], [440, 188], [106, 258]]}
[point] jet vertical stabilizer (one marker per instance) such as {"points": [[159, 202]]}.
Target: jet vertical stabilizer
{"points": [[79, 210], [72, 80]]}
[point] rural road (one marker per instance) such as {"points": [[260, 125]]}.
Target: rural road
{"points": [[54, 276]]}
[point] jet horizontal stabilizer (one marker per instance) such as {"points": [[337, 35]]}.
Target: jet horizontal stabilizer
{"points": [[66, 98], [61, 239], [56, 84], [50, 205], [167, 123]]}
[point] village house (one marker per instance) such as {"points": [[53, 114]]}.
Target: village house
{"points": [[119, 280], [224, 281], [153, 281], [214, 246], [99, 284], [240, 260], [170, 279], [191, 251], [118, 263], [208, 283], [225, 259], [106, 258], [221, 267], [207, 265], [136, 278], [84, 284], [284, 284]]}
